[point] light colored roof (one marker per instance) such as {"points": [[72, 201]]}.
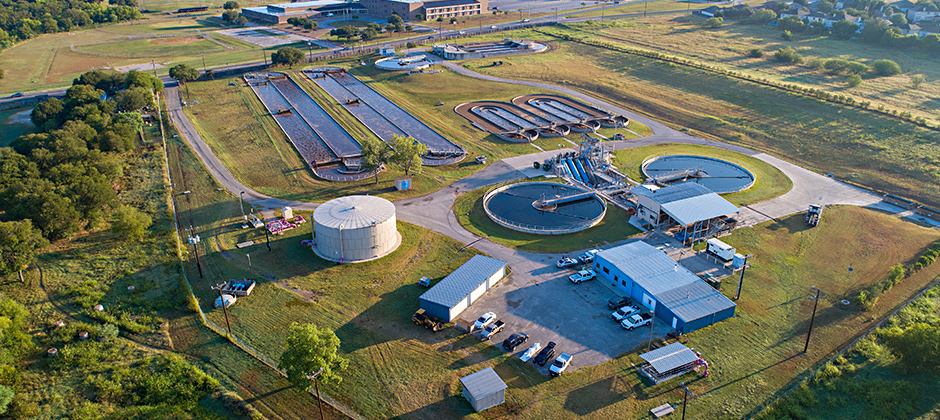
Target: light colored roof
{"points": [[306, 4], [482, 383], [689, 202], [694, 300], [458, 284], [673, 285], [669, 357], [354, 211]]}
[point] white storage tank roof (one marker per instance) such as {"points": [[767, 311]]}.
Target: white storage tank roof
{"points": [[355, 228]]}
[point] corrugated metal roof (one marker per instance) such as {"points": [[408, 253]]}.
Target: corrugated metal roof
{"points": [[482, 383], [696, 209], [354, 211], [669, 357], [694, 300], [682, 191], [673, 285], [458, 284], [649, 267]]}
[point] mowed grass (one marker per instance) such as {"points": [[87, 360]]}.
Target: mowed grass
{"points": [[400, 370], [728, 46], [859, 146], [149, 48], [769, 182], [470, 213]]}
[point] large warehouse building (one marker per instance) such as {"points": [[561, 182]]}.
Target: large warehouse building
{"points": [[456, 292], [672, 292], [279, 13], [429, 10], [355, 228]]}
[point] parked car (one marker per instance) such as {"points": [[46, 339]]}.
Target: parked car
{"points": [[624, 312], [560, 364], [491, 330], [425, 282], [525, 20], [618, 302], [566, 262], [493, 27], [583, 275], [588, 256], [17, 95], [637, 320], [515, 340], [484, 320], [547, 353]]}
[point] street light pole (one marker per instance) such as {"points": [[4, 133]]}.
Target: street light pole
{"points": [[219, 287], [812, 319], [685, 397], [316, 381]]}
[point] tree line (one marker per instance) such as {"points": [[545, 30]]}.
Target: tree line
{"points": [[21, 19]]}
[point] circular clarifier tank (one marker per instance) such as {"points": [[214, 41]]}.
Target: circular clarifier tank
{"points": [[544, 208], [717, 175]]}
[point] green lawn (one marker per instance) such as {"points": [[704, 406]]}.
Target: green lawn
{"points": [[769, 181], [470, 213], [150, 48]]}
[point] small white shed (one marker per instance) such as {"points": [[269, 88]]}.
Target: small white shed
{"points": [[484, 389]]}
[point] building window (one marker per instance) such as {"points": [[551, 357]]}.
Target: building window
{"points": [[623, 283], [606, 270]]}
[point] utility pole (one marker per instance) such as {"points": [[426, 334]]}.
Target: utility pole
{"points": [[267, 238], [685, 397], [649, 345], [737, 295], [218, 287], [265, 56], [812, 319], [194, 239], [309, 51], [249, 259], [242, 205], [316, 382], [646, 5], [153, 65], [204, 63]]}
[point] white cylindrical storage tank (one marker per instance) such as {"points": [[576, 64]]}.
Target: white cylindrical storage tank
{"points": [[355, 228]]}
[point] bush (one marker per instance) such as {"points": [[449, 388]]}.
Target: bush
{"points": [[916, 81], [755, 53], [713, 22], [411, 45], [786, 35], [788, 55], [885, 67], [854, 80]]}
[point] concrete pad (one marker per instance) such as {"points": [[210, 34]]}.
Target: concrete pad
{"points": [[140, 67]]}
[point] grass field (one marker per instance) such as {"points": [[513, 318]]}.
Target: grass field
{"points": [[769, 181], [470, 213], [870, 381], [12, 124], [728, 45], [872, 150], [400, 370]]}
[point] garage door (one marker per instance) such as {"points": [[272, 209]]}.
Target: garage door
{"points": [[458, 308]]}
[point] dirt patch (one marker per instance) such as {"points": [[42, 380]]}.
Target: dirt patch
{"points": [[176, 41], [308, 295]]}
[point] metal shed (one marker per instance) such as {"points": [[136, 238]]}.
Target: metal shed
{"points": [[484, 389], [456, 292], [669, 362]]}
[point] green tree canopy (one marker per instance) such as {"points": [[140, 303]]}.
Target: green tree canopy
{"points": [[18, 244], [843, 29], [287, 56], [310, 349], [374, 155], [231, 5], [229, 16], [144, 80], [183, 73], [407, 152], [129, 223], [917, 345], [133, 99]]}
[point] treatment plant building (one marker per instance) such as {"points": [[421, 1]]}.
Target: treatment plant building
{"points": [[456, 292], [355, 228], [672, 292]]}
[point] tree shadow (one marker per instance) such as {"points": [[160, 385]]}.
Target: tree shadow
{"points": [[592, 397]]}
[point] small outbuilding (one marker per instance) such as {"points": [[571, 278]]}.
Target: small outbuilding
{"points": [[456, 292], [669, 362], [484, 389], [698, 211]]}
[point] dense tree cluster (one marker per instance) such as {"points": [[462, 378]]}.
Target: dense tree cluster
{"points": [[21, 20], [302, 22], [287, 56], [61, 178]]}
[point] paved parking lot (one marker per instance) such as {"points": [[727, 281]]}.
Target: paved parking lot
{"points": [[538, 299]]}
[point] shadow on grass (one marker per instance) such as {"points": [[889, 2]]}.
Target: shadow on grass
{"points": [[593, 397]]}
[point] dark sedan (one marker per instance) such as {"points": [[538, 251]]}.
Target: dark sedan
{"points": [[515, 340], [545, 355]]}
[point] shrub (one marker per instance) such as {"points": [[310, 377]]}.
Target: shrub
{"points": [[713, 22], [854, 80], [411, 45], [788, 55], [755, 53], [786, 35], [885, 67]]}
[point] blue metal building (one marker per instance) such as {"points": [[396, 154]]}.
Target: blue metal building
{"points": [[672, 292], [450, 296]]}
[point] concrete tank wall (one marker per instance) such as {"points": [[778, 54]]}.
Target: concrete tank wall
{"points": [[354, 242]]}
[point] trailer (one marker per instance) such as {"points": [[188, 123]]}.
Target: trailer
{"points": [[814, 214], [720, 249]]}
